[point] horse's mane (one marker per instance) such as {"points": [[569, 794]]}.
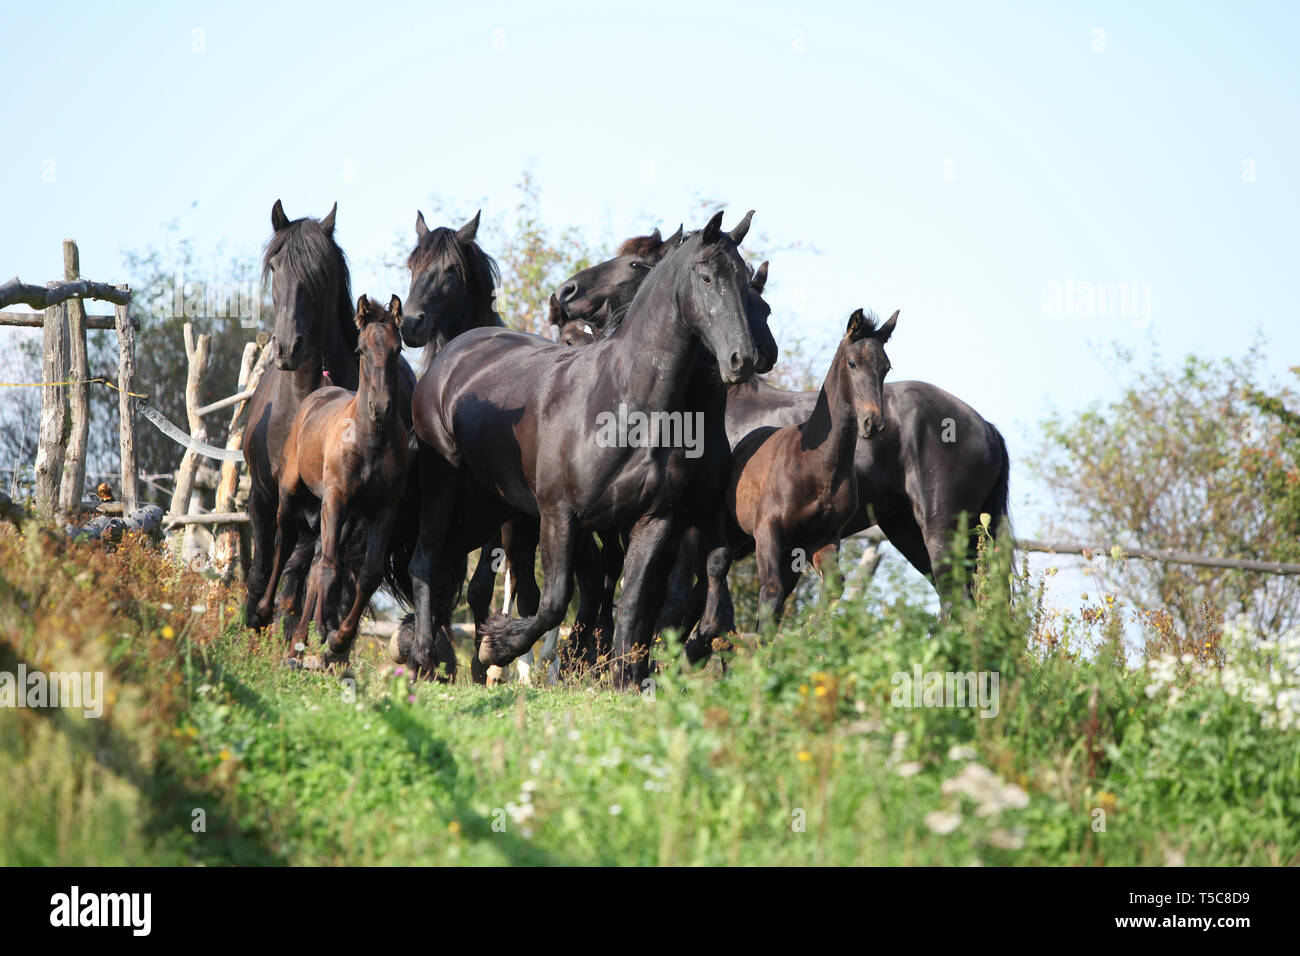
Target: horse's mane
{"points": [[311, 256], [616, 320], [441, 247], [870, 322], [640, 245], [479, 271]]}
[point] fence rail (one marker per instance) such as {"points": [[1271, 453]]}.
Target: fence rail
{"points": [[1158, 554]]}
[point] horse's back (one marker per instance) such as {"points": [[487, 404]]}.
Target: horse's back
{"points": [[482, 374], [316, 433], [944, 452]]}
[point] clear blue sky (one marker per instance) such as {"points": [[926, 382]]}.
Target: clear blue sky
{"points": [[951, 160]]}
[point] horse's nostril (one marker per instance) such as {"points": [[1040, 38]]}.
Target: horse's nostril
{"points": [[568, 291]]}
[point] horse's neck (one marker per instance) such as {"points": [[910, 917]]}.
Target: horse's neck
{"points": [[370, 433], [339, 350], [831, 432], [654, 350]]}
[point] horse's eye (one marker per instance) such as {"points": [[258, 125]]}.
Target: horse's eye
{"points": [[357, 351], [705, 278], [853, 364]]}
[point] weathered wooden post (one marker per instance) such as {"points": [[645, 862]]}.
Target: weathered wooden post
{"points": [[54, 368], [197, 350], [126, 413], [74, 463], [225, 552]]}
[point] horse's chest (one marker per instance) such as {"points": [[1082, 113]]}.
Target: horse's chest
{"points": [[648, 482]]}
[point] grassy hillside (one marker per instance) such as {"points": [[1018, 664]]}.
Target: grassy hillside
{"points": [[797, 754]]}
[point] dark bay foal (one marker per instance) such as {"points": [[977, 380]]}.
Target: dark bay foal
{"points": [[347, 453], [793, 489]]}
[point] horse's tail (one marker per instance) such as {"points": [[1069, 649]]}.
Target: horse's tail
{"points": [[405, 536], [998, 504]]}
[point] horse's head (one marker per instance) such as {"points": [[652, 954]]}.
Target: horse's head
{"points": [[579, 331], [759, 312], [379, 350], [614, 281], [598, 293], [308, 272], [709, 283], [451, 284], [865, 364]]}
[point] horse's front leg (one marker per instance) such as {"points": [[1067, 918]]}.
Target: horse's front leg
{"points": [[327, 568], [321, 578], [612, 556], [286, 540], [680, 580], [826, 561], [652, 541], [478, 594], [262, 515], [719, 616], [438, 493], [372, 571], [775, 572], [505, 638]]}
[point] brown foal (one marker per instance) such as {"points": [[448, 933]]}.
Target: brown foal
{"points": [[793, 489], [348, 452]]}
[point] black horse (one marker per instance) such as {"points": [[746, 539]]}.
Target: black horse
{"points": [[938, 459], [510, 422], [452, 282], [315, 343]]}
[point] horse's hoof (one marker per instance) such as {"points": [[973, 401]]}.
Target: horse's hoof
{"points": [[497, 675], [292, 663], [399, 645], [312, 662], [330, 660], [492, 655], [491, 648]]}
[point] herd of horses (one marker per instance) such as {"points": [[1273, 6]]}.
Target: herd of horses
{"points": [[365, 475]]}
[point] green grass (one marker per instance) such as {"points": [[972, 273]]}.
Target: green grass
{"points": [[796, 755]]}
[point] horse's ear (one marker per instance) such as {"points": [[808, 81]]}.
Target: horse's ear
{"points": [[886, 330], [328, 222], [467, 232], [738, 234], [760, 278], [421, 230], [395, 310], [673, 241], [557, 317], [713, 230], [857, 322], [278, 219], [363, 308], [600, 318]]}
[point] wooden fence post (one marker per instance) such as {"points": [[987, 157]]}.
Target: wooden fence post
{"points": [[197, 350], [54, 368], [74, 463], [225, 550], [125, 410]]}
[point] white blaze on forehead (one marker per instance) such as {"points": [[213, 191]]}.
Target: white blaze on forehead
{"points": [[587, 328]]}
